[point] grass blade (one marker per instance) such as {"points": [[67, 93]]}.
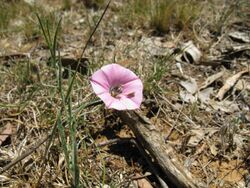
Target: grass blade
{"points": [[62, 135]]}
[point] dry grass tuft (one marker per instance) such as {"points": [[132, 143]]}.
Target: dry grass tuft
{"points": [[211, 144], [162, 16]]}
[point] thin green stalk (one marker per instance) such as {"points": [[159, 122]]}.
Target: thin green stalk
{"points": [[71, 123], [63, 138], [52, 44], [60, 78], [75, 168], [55, 39], [85, 47], [67, 97], [43, 30]]}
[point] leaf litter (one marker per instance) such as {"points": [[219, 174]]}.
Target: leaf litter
{"points": [[6, 132], [229, 83], [216, 152]]}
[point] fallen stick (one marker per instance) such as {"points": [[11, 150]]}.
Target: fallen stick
{"points": [[28, 152], [162, 153]]}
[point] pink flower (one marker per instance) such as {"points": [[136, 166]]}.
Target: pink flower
{"points": [[118, 87]]}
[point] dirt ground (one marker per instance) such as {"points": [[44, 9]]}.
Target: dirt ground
{"points": [[196, 97]]}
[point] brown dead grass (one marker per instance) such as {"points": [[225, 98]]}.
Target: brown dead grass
{"points": [[29, 102]]}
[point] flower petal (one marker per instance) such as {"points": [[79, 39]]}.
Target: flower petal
{"points": [[107, 99], [134, 91], [131, 104], [133, 86], [111, 102], [114, 75], [101, 78], [99, 82], [137, 99], [118, 105], [118, 74], [98, 89]]}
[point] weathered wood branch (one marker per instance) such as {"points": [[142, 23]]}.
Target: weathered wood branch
{"points": [[153, 142]]}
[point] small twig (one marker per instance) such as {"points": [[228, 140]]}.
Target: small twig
{"points": [[141, 177], [170, 125], [174, 125], [113, 141], [205, 172], [190, 120], [25, 154], [33, 148]]}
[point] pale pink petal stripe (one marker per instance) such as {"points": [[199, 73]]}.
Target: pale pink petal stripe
{"points": [[118, 74], [130, 104], [118, 105], [107, 99]]}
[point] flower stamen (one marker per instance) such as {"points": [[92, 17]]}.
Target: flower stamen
{"points": [[115, 91]]}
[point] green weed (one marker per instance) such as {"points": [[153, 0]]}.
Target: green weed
{"points": [[174, 15], [26, 74], [50, 32], [162, 15], [222, 19], [19, 17], [9, 11], [135, 12], [66, 4], [159, 68], [67, 117]]}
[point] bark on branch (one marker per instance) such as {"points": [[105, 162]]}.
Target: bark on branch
{"points": [[152, 141]]}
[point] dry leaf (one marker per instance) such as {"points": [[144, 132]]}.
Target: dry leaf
{"points": [[103, 186], [212, 79], [187, 97], [190, 85], [204, 95], [5, 133], [143, 183], [30, 2], [240, 36], [213, 149], [242, 85], [197, 136], [4, 179], [169, 44], [178, 65], [224, 106], [230, 82], [239, 141]]}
